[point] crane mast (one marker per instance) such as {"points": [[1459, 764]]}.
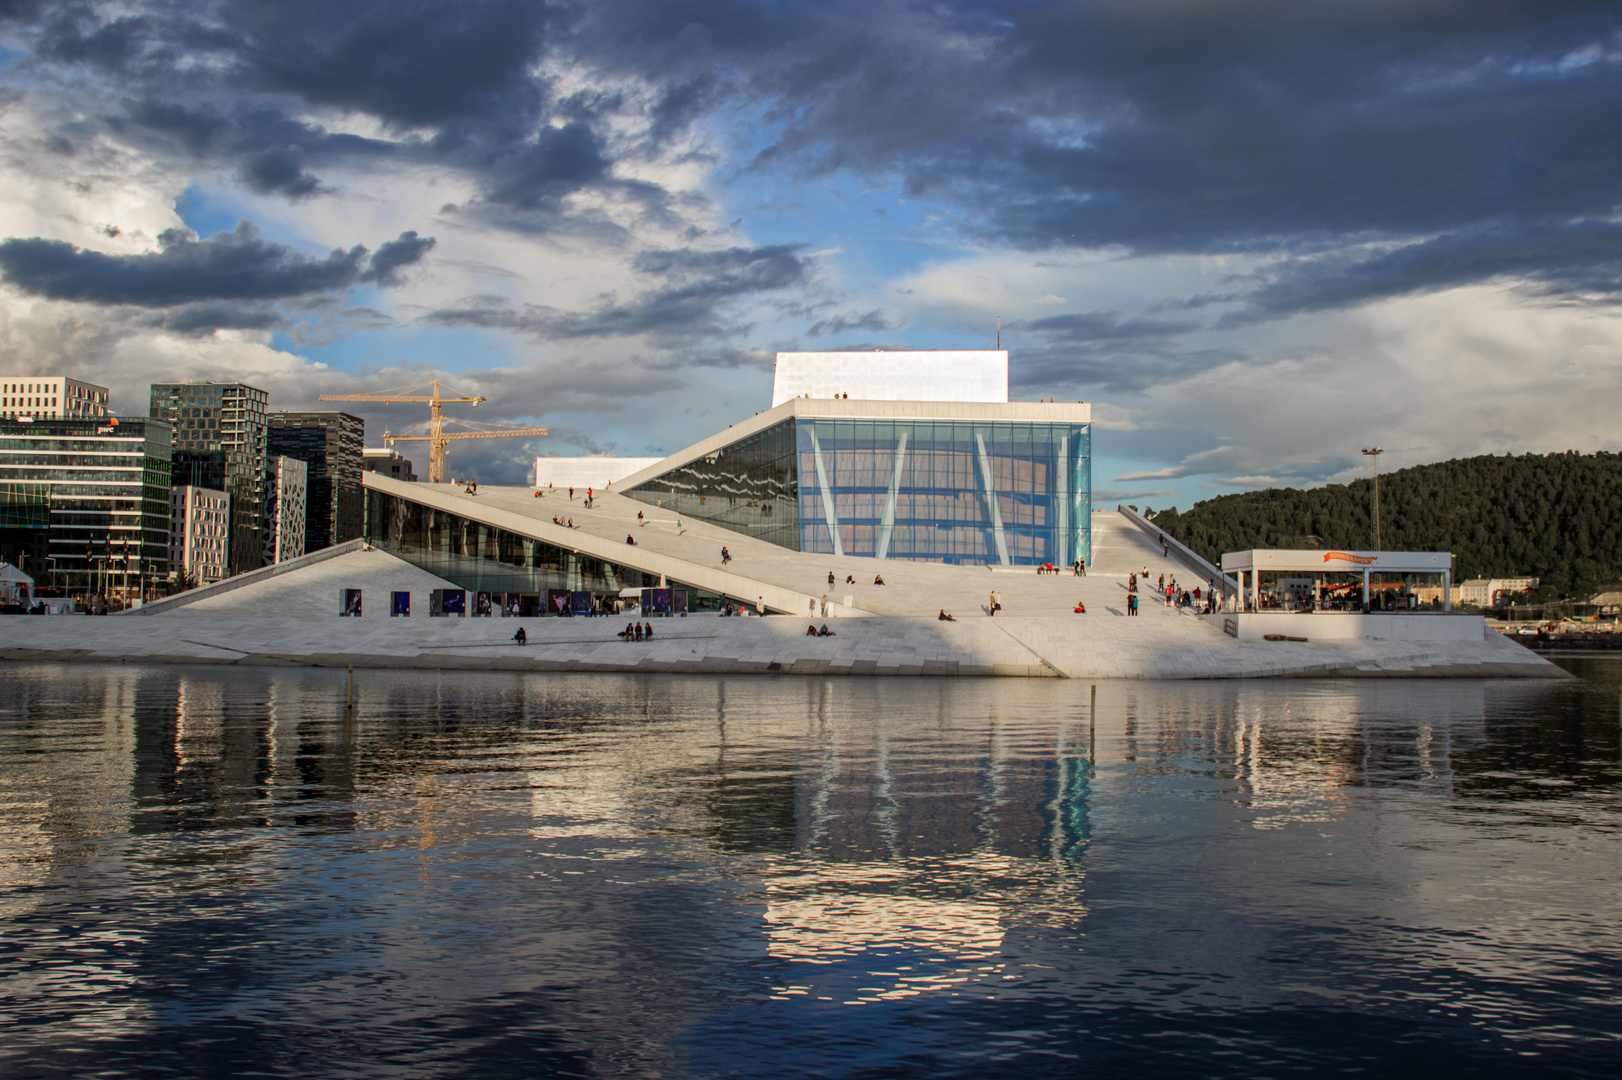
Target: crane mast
{"points": [[438, 439]]}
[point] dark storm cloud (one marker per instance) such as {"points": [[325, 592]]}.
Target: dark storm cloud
{"points": [[841, 324], [540, 171], [1182, 127], [699, 284], [235, 266], [1169, 126], [1581, 258], [1106, 350]]}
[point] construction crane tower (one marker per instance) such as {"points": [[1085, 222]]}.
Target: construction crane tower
{"points": [[437, 438]]}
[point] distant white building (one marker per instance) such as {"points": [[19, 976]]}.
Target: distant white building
{"points": [[289, 508], [50, 397], [199, 533], [593, 470], [924, 375], [1486, 592]]}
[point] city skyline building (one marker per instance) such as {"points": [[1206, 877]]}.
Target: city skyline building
{"points": [[51, 397], [100, 491], [220, 443], [333, 445], [199, 533], [288, 505]]}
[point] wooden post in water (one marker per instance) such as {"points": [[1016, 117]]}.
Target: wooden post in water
{"points": [[1092, 728]]}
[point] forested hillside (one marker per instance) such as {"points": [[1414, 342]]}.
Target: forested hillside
{"points": [[1555, 516]]}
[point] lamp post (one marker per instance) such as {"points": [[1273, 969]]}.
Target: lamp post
{"points": [[1374, 453]]}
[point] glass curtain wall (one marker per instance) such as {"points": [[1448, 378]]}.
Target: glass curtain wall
{"points": [[958, 492], [483, 558], [751, 487], [108, 491]]}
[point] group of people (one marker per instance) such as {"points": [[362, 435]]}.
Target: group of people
{"points": [[1200, 599], [850, 579], [812, 631], [636, 632], [1077, 568], [559, 521]]}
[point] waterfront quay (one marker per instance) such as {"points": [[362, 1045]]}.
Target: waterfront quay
{"points": [[290, 615]]}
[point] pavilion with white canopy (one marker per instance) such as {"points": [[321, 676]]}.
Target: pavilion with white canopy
{"points": [[1249, 566]]}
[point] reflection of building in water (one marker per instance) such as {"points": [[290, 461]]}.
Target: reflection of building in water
{"points": [[1299, 753], [918, 861], [73, 791]]}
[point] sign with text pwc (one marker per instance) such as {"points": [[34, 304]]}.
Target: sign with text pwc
{"points": [[1346, 556]]}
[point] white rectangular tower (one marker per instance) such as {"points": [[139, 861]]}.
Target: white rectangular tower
{"points": [[926, 375]]}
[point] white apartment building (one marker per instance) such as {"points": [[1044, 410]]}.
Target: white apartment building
{"points": [[289, 508], [199, 533], [46, 397], [1486, 592]]}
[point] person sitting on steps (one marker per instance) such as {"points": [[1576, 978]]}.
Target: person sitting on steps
{"points": [[878, 579], [943, 617], [521, 637]]}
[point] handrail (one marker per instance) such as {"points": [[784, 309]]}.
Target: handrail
{"points": [[1185, 554]]}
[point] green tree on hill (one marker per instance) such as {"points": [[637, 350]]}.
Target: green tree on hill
{"points": [[1557, 517]]}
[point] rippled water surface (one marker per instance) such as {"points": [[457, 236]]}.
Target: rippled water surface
{"points": [[221, 872]]}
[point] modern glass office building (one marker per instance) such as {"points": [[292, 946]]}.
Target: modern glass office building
{"points": [[988, 483], [105, 490]]}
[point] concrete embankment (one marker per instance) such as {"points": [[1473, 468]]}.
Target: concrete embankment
{"points": [[1082, 647]]}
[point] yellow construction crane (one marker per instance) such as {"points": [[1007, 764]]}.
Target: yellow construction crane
{"points": [[437, 438]]}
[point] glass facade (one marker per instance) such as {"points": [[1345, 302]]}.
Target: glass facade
{"points": [[749, 487], [483, 558], [950, 491], [331, 444], [107, 487]]}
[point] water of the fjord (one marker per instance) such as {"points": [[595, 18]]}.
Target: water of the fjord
{"points": [[210, 872]]}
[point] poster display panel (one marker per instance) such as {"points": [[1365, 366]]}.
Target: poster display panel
{"points": [[580, 603], [484, 604], [349, 602], [399, 604], [557, 601]]}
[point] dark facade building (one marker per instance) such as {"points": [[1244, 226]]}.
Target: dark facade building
{"points": [[219, 443], [87, 501], [332, 444]]}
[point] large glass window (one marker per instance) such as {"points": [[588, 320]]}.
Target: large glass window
{"points": [[749, 487], [946, 491]]}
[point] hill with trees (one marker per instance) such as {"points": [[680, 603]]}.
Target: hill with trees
{"points": [[1557, 517]]}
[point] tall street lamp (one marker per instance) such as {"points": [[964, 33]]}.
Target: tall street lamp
{"points": [[1374, 453]]}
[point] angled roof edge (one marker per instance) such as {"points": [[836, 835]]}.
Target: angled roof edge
{"points": [[1079, 412]]}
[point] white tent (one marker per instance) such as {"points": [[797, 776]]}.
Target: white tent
{"points": [[16, 587]]}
